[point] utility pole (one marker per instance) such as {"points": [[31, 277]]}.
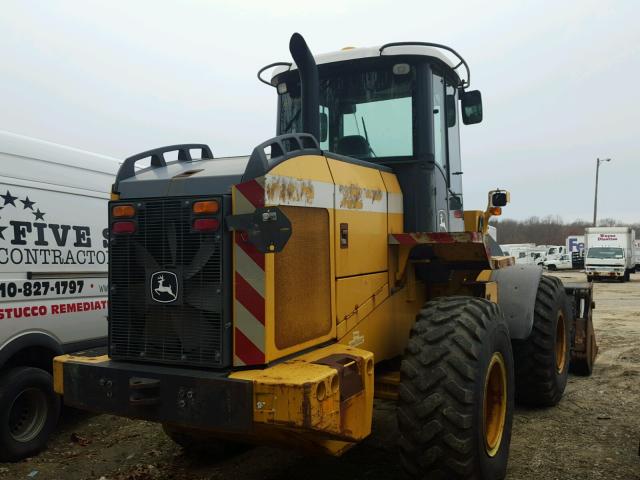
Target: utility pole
{"points": [[595, 199]]}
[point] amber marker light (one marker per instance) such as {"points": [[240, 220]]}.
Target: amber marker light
{"points": [[123, 211], [207, 206], [495, 211]]}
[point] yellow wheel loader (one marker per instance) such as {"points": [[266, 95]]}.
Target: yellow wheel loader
{"points": [[269, 299]]}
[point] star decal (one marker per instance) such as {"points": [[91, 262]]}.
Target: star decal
{"points": [[2, 229], [9, 199], [27, 203], [39, 215]]}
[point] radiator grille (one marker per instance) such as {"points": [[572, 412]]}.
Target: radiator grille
{"points": [[188, 331]]}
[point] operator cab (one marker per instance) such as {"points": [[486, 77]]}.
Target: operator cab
{"points": [[396, 106]]}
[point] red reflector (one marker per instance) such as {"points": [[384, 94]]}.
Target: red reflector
{"points": [[123, 227], [458, 213], [206, 224]]}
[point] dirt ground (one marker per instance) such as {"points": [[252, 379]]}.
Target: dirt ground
{"points": [[594, 432]]}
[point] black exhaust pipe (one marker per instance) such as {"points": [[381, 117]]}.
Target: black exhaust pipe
{"points": [[309, 84]]}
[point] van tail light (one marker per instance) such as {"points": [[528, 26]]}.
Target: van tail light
{"points": [[206, 225], [120, 228]]}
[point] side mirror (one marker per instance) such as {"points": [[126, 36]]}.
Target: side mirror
{"points": [[455, 202], [499, 198], [471, 107], [324, 127]]}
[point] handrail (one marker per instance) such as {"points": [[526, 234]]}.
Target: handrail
{"points": [[127, 169], [271, 65]]}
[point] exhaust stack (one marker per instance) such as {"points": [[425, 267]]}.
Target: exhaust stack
{"points": [[309, 84]]}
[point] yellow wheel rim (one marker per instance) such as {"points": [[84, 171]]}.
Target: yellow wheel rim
{"points": [[495, 403], [561, 343]]}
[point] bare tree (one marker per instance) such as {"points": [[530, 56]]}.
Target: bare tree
{"points": [[549, 230]]}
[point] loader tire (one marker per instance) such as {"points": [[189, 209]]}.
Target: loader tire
{"points": [[455, 406], [199, 444], [542, 360]]}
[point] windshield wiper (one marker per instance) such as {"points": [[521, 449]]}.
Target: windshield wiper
{"points": [[293, 119], [366, 136]]}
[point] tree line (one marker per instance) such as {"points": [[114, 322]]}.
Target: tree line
{"points": [[549, 230]]}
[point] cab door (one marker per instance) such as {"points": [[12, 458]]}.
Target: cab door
{"points": [[441, 164]]}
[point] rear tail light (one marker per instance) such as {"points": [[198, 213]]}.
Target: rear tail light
{"points": [[123, 211], [206, 224], [207, 206], [123, 227], [458, 214]]}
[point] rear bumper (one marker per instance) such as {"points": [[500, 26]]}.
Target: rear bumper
{"points": [[181, 396], [324, 396]]}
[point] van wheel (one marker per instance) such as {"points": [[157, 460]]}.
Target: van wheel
{"points": [[455, 407], [552, 267], [29, 411], [198, 443], [542, 360]]}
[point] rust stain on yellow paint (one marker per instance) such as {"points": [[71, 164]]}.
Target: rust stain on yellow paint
{"points": [[287, 189], [353, 196], [373, 195]]}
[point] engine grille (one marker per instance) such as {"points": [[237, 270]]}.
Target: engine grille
{"points": [[188, 331]]}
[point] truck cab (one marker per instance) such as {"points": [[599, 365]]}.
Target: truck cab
{"points": [[563, 262], [610, 253]]}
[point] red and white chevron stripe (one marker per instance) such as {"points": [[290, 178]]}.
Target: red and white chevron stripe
{"points": [[249, 283]]}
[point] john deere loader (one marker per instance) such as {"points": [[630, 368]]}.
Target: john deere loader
{"points": [[270, 299]]}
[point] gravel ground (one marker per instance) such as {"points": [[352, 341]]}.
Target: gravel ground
{"points": [[593, 433]]}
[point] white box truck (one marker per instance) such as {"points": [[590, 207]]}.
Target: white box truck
{"points": [[609, 252], [53, 277]]}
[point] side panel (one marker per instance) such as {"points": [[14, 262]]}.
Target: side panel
{"points": [[53, 259], [280, 306], [360, 219]]}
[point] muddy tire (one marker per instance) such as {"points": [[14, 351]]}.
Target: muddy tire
{"points": [[542, 360], [200, 444], [451, 428], [29, 411]]}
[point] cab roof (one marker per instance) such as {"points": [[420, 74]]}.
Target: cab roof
{"points": [[356, 53]]}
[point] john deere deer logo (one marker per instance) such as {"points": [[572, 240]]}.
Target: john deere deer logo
{"points": [[164, 286]]}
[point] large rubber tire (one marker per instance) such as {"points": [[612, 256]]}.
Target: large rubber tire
{"points": [[542, 360], [200, 444], [29, 411], [441, 406]]}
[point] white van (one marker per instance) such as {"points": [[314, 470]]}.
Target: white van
{"points": [[53, 277]]}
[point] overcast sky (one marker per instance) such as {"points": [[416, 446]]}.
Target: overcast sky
{"points": [[559, 82]]}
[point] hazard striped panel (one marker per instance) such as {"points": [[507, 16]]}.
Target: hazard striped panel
{"points": [[248, 282]]}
